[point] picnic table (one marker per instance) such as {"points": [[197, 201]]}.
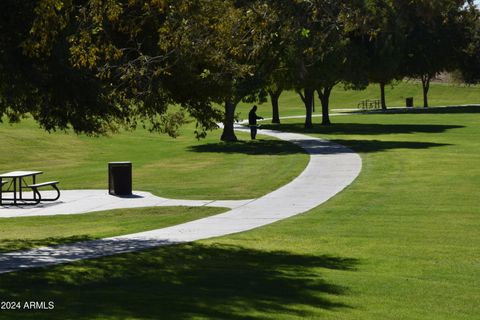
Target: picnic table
{"points": [[369, 104], [17, 182]]}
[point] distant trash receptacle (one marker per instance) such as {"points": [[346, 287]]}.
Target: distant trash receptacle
{"points": [[409, 102], [120, 178]]}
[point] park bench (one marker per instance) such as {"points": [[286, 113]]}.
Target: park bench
{"points": [[369, 104], [38, 196]]}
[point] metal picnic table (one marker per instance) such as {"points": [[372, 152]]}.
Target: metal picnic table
{"points": [[17, 181]]}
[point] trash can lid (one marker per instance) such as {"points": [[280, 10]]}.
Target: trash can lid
{"points": [[120, 162]]}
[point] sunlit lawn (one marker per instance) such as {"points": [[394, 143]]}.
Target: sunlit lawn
{"points": [[400, 243], [439, 95]]}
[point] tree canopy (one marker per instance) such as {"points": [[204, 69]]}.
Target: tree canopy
{"points": [[98, 65], [435, 35]]}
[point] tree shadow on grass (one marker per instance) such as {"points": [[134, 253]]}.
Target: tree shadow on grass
{"points": [[7, 245], [430, 110], [315, 147], [257, 147], [367, 146], [364, 128], [181, 282]]}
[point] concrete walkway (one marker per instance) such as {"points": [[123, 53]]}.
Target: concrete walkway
{"points": [[331, 168], [84, 201]]}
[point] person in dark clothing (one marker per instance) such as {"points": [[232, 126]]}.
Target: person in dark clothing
{"points": [[252, 122]]}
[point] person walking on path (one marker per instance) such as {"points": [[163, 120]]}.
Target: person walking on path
{"points": [[252, 122]]}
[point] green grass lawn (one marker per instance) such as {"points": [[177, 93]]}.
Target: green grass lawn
{"points": [[400, 243], [181, 168], [439, 95]]}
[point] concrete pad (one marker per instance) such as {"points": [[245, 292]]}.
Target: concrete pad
{"points": [[83, 201]]}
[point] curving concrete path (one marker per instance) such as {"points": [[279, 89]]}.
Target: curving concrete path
{"points": [[331, 168]]}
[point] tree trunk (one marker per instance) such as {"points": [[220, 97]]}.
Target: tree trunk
{"points": [[307, 98], [382, 96], [228, 133], [274, 96], [425, 86], [313, 103], [324, 96]]}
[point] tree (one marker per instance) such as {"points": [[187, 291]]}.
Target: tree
{"points": [[322, 49], [469, 63], [197, 52], [343, 60], [384, 35], [277, 82], [224, 52], [154, 54], [247, 61], [435, 35], [45, 73], [274, 92], [57, 95], [140, 57], [309, 30]]}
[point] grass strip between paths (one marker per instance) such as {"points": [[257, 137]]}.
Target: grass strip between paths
{"points": [[28, 232]]}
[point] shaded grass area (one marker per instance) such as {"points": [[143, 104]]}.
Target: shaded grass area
{"points": [[182, 282], [28, 232], [340, 127], [257, 147], [164, 166], [364, 132]]}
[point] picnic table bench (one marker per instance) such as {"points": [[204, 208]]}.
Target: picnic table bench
{"points": [[369, 104], [39, 198]]}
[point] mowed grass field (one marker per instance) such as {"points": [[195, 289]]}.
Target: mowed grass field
{"points": [[440, 94], [401, 242]]}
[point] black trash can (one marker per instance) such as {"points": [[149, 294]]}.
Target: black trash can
{"points": [[120, 178], [409, 102]]}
